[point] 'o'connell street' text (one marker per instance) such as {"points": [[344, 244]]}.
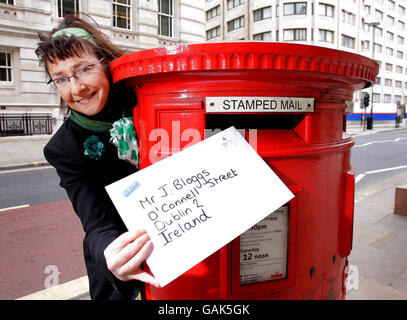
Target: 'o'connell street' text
{"points": [[176, 208]]}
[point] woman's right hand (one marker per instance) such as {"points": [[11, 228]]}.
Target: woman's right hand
{"points": [[125, 255]]}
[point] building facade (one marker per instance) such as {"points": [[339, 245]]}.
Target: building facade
{"points": [[131, 24], [373, 28]]}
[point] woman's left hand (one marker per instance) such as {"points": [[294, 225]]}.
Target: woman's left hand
{"points": [[125, 255]]}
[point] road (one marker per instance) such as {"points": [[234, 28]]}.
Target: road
{"points": [[41, 237], [40, 231], [378, 156], [29, 186]]}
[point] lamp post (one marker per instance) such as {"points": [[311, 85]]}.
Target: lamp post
{"points": [[374, 25]]}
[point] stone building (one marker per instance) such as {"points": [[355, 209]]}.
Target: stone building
{"points": [[132, 24], [373, 28]]}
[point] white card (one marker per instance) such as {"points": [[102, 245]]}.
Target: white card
{"points": [[198, 200]]}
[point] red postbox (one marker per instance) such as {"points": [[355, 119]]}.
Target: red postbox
{"points": [[290, 100]]}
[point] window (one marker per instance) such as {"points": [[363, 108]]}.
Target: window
{"points": [[348, 17], [378, 14], [365, 27], [397, 99], [400, 40], [365, 44], [378, 32], [121, 14], [213, 33], [236, 24], [389, 51], [66, 7], [390, 20], [265, 36], [7, 1], [326, 35], [348, 42], [401, 25], [399, 69], [402, 10], [376, 97], [389, 67], [234, 3], [377, 47], [295, 8], [390, 35], [378, 80], [391, 5], [212, 13], [368, 10], [5, 68], [400, 54], [326, 10], [295, 34], [261, 14], [387, 98], [398, 84], [165, 17]]}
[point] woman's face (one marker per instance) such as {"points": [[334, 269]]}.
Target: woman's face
{"points": [[88, 90]]}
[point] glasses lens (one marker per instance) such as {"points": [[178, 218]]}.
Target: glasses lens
{"points": [[61, 82], [79, 74]]}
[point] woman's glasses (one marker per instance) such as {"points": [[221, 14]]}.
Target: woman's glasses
{"points": [[79, 74]]}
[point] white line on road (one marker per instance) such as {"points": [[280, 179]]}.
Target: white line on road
{"points": [[25, 169], [381, 141], [15, 207], [359, 177], [362, 175], [386, 169]]}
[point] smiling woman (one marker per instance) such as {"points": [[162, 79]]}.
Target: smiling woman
{"points": [[76, 56], [85, 88]]}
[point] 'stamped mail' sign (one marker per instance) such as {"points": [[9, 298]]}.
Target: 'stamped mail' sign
{"points": [[198, 200]]}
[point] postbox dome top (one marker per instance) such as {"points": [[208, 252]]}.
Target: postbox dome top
{"points": [[223, 56]]}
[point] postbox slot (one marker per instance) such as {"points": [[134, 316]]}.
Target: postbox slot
{"points": [[271, 129], [253, 121]]}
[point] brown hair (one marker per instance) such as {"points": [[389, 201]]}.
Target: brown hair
{"points": [[62, 47]]}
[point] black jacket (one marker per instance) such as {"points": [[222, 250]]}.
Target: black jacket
{"points": [[84, 180]]}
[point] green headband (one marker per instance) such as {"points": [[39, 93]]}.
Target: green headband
{"points": [[79, 32]]}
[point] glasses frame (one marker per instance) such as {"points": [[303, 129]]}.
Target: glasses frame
{"points": [[75, 74]]}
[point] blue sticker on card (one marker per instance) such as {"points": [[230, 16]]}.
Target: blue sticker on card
{"points": [[130, 189]]}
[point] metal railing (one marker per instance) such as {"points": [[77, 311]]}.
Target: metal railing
{"points": [[25, 124]]}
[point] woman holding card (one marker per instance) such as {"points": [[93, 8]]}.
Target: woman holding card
{"points": [[84, 151]]}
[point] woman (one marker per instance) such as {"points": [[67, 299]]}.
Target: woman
{"points": [[76, 57]]}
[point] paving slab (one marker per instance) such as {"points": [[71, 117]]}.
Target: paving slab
{"points": [[373, 290]]}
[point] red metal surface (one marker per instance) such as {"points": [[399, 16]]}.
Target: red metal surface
{"points": [[310, 152]]}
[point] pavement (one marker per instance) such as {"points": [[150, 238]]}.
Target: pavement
{"points": [[378, 261]]}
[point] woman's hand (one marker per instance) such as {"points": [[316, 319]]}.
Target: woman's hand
{"points": [[125, 255]]}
